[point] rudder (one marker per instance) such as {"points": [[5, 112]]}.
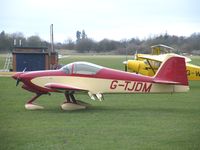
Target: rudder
{"points": [[172, 71]]}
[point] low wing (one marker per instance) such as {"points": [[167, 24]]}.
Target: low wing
{"points": [[161, 57], [63, 87]]}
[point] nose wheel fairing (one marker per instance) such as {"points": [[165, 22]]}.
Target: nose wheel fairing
{"points": [[30, 106]]}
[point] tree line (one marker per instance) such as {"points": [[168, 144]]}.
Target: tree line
{"points": [[84, 44]]}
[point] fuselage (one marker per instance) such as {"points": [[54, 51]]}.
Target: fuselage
{"points": [[104, 80]]}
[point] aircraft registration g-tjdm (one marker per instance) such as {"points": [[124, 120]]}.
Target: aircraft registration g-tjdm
{"points": [[131, 86], [97, 80]]}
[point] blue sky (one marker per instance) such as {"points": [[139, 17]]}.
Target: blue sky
{"points": [[112, 19]]}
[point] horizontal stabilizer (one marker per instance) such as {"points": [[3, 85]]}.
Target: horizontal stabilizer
{"points": [[165, 82]]}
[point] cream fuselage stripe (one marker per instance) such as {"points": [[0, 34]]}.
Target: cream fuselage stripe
{"points": [[97, 85]]}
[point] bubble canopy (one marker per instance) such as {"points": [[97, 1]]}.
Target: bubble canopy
{"points": [[81, 68]]}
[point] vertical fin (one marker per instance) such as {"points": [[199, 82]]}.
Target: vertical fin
{"points": [[172, 71]]}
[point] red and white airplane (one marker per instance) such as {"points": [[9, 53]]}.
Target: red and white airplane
{"points": [[97, 80]]}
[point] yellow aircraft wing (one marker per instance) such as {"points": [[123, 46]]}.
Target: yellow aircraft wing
{"points": [[148, 65], [161, 49], [161, 57]]}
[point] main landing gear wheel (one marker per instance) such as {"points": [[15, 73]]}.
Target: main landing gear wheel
{"points": [[71, 103], [72, 106]]}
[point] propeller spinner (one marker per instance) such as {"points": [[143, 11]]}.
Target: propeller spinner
{"points": [[17, 77]]}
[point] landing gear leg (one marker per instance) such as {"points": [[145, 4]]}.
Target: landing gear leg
{"points": [[67, 98], [71, 103], [34, 98], [73, 98], [70, 98], [30, 106]]}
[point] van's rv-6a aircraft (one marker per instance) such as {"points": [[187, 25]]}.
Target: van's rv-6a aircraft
{"points": [[97, 80]]}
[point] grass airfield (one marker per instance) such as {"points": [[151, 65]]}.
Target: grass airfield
{"points": [[131, 121]]}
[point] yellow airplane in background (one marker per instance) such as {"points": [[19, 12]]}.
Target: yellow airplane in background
{"points": [[148, 64]]}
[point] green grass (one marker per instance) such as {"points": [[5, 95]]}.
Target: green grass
{"points": [[115, 62], [195, 60], [2, 60], [155, 121]]}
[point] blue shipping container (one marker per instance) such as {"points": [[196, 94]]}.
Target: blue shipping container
{"points": [[32, 62]]}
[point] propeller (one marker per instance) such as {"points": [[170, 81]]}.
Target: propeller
{"points": [[18, 80], [126, 62], [135, 55], [24, 70], [126, 68], [125, 65], [18, 77]]}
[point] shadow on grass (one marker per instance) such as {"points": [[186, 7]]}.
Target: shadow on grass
{"points": [[110, 109], [142, 109]]}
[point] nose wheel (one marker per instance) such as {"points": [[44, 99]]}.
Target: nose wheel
{"points": [[30, 106]]}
